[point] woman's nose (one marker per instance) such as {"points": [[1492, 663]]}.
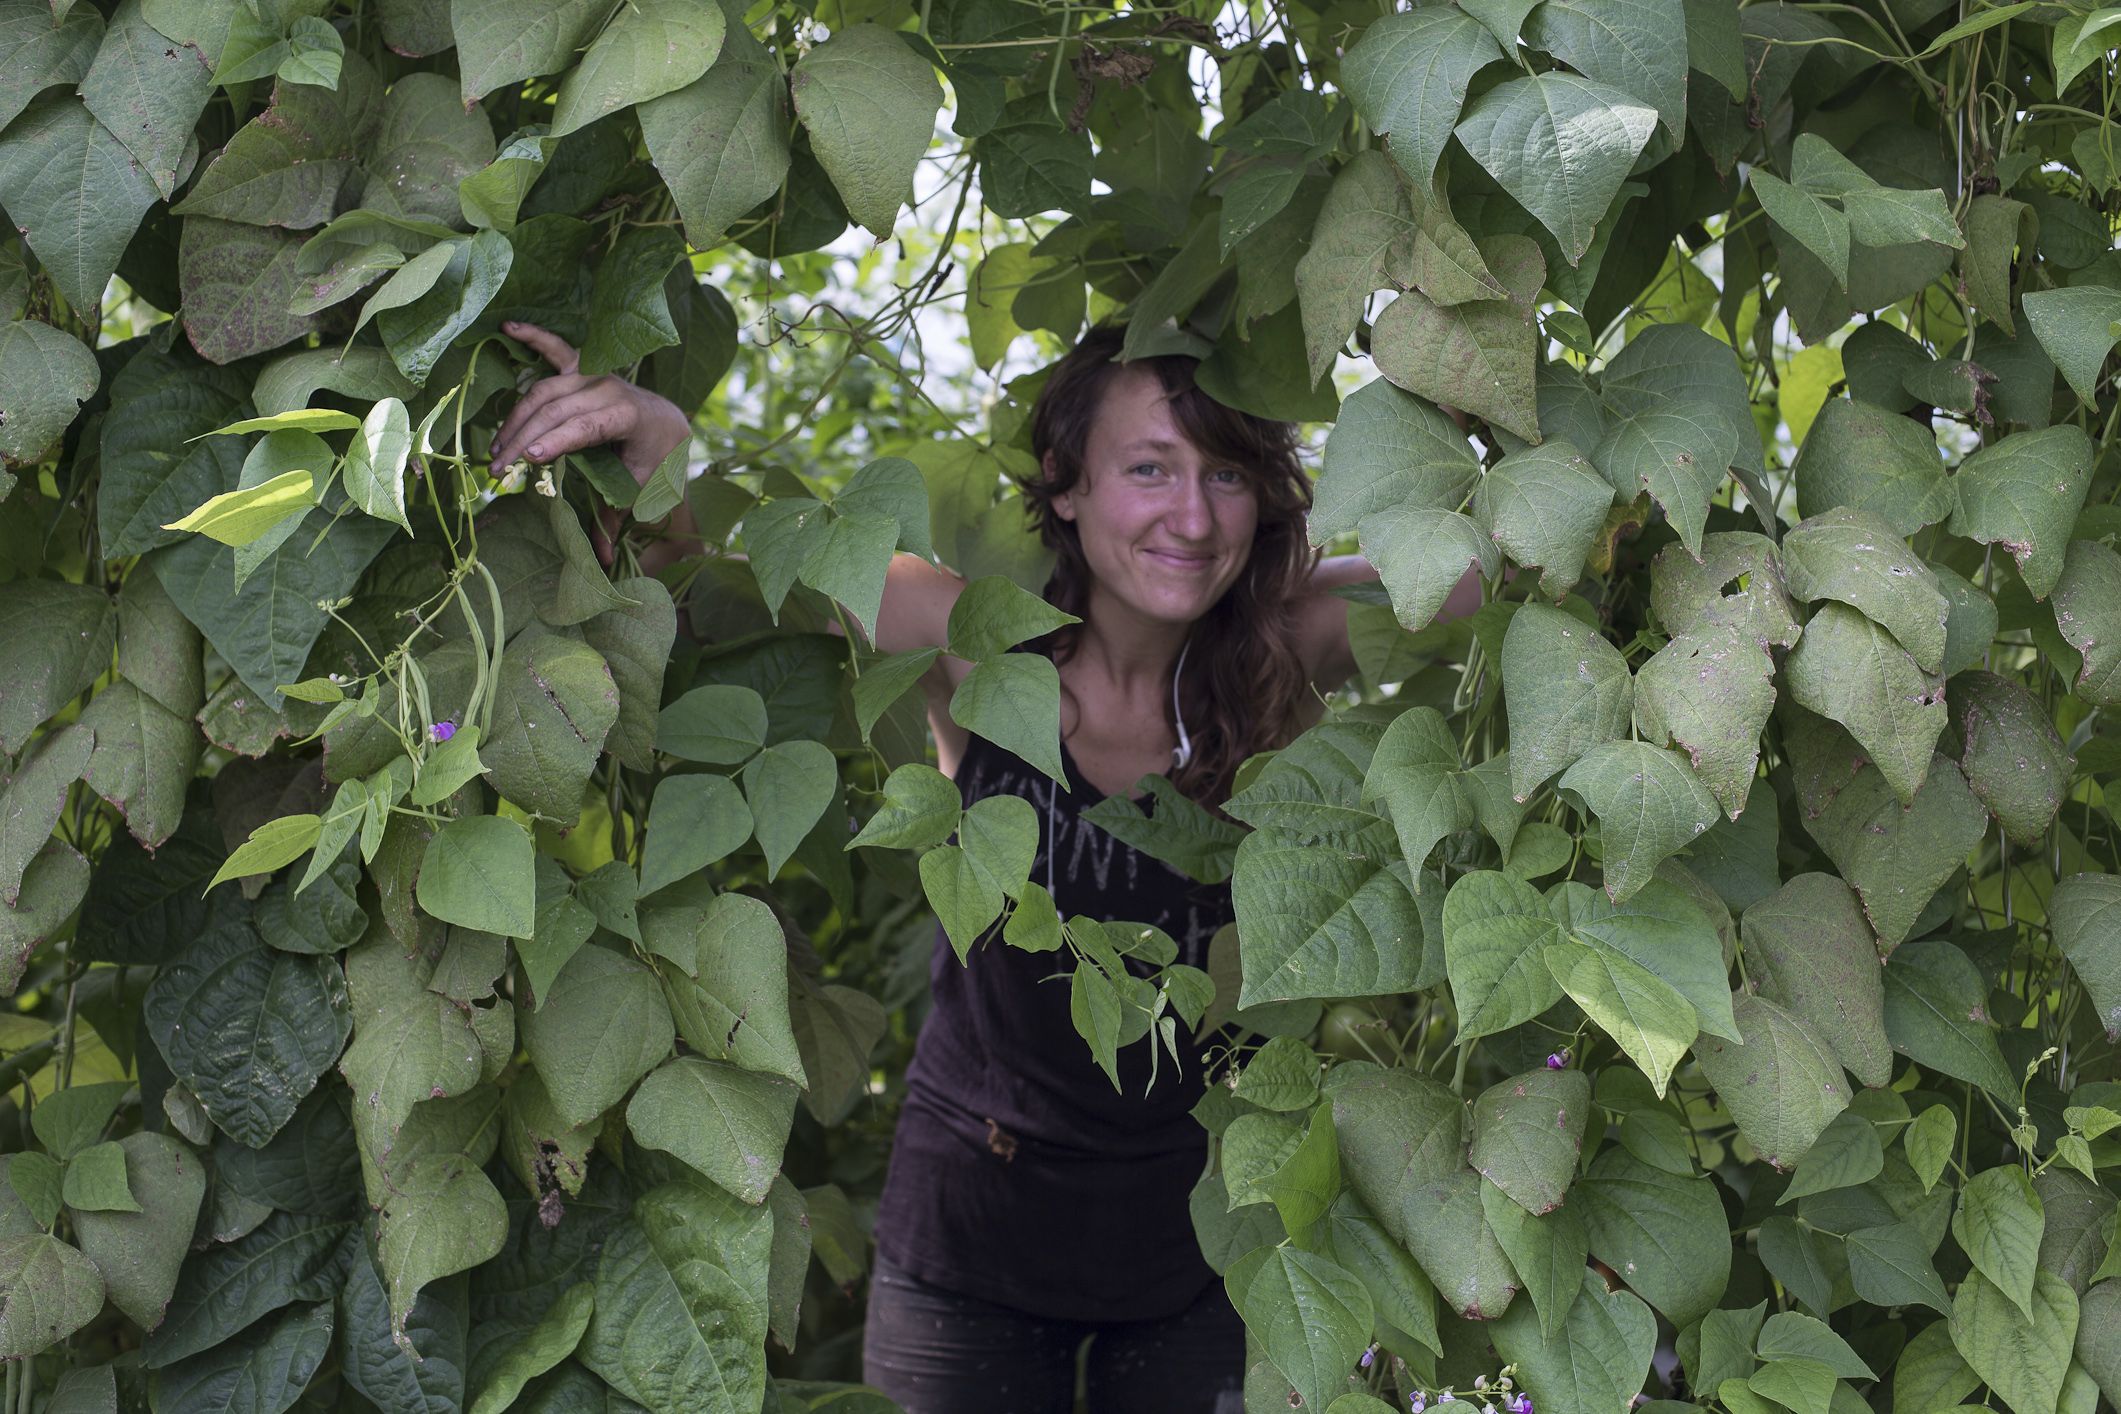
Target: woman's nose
{"points": [[1192, 517]]}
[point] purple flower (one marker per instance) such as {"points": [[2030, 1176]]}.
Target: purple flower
{"points": [[1368, 1356], [1417, 1402], [442, 731], [1521, 1405], [1558, 1060]]}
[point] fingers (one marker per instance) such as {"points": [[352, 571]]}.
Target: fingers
{"points": [[597, 413], [556, 350], [508, 441]]}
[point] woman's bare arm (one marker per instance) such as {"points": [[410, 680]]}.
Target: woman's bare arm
{"points": [[1322, 616]]}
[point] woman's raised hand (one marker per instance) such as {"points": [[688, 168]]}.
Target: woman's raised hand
{"points": [[568, 410]]}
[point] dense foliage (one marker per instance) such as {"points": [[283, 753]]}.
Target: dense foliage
{"points": [[451, 973]]}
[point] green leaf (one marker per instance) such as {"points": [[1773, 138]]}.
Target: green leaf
{"points": [[42, 47], [149, 91], [1495, 930], [95, 1181], [1645, 1015], [286, 1258], [1311, 1316], [1890, 1266], [57, 639], [1544, 506], [1362, 243], [266, 632], [2084, 601], [693, 822], [1561, 145], [1855, 557], [1898, 857], [1566, 690], [2083, 915], [1528, 1134], [1851, 669], [2013, 758], [649, 49], [2074, 325], [735, 1004], [2098, 1346], [1865, 457], [409, 1043], [418, 331], [52, 887], [44, 378], [601, 1027], [1408, 77], [1809, 950], [499, 43], [869, 103], [1663, 930], [2023, 493], [720, 144], [1998, 1224], [374, 469], [48, 1291], [681, 1304], [992, 614], [139, 1251], [440, 1215], [1598, 1359], [1318, 923], [73, 193], [1846, 1154], [1414, 772], [1399, 1290], [1649, 805], [629, 318], [921, 809], [1659, 1231], [242, 517], [2022, 1358], [1935, 1014], [553, 704], [1013, 700], [727, 1122], [720, 724], [1679, 456], [789, 786], [1397, 1130], [1929, 1142], [284, 167], [1479, 355], [239, 285], [554, 1338], [1180, 832], [1421, 555], [1636, 46], [1820, 228], [1709, 694], [477, 873], [1783, 1085], [1389, 448], [423, 1372], [247, 1027]]}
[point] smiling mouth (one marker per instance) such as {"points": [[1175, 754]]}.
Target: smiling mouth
{"points": [[1180, 560]]}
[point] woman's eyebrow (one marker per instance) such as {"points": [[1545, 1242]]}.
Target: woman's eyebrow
{"points": [[1151, 444]]}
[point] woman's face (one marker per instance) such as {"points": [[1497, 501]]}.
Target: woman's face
{"points": [[1165, 529]]}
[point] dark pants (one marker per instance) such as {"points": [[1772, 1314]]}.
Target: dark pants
{"points": [[937, 1352]]}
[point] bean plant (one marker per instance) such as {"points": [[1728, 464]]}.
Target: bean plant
{"points": [[462, 960]]}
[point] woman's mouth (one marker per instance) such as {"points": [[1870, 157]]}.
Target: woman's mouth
{"points": [[1185, 561]]}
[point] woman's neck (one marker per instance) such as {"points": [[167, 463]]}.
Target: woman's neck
{"points": [[1131, 654]]}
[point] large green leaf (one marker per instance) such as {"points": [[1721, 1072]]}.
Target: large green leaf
{"points": [[1528, 1133], [1783, 1085], [409, 1044], [1998, 1224], [1809, 950], [284, 167], [1598, 1359], [1645, 1015], [734, 954], [144, 759], [2087, 927], [725, 1121], [1361, 244], [1399, 1290], [477, 873], [1421, 555], [2087, 599], [1649, 805], [1310, 1316], [2076, 327], [1665, 1234], [1408, 77], [42, 49], [286, 1258], [2023, 493], [266, 632], [48, 1291], [1709, 694], [1637, 46], [149, 91], [249, 1028], [1851, 669], [499, 42], [1936, 1015], [2022, 1358], [139, 1253], [1863, 456], [425, 1374], [263, 1370], [1561, 145], [1855, 557], [45, 376], [441, 1215], [553, 704], [1323, 923], [1544, 506], [681, 1301], [1896, 856], [545, 1345], [1566, 690], [650, 48], [1389, 448], [2013, 758], [1013, 700], [693, 821], [789, 786], [869, 103], [1443, 1224], [720, 144], [73, 193], [1662, 929], [602, 1026], [1495, 931], [1480, 355], [239, 284], [629, 318]]}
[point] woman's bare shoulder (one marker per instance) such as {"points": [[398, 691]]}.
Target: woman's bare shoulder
{"points": [[918, 598]]}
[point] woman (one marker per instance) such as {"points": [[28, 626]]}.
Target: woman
{"points": [[1028, 1205]]}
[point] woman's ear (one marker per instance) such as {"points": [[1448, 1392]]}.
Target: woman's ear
{"points": [[1063, 504]]}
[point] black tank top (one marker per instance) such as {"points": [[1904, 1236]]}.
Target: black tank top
{"points": [[1018, 1174]]}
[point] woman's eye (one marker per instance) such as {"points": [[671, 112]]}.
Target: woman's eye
{"points": [[1145, 469], [1229, 476]]}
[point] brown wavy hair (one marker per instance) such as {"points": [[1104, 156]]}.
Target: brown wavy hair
{"points": [[1244, 685]]}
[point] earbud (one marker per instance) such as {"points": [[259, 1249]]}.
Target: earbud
{"points": [[1182, 755]]}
